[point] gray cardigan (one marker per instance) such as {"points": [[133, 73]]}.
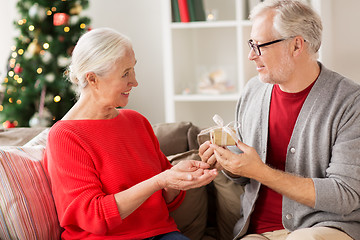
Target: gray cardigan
{"points": [[324, 146]]}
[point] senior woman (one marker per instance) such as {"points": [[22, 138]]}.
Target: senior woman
{"points": [[109, 178]]}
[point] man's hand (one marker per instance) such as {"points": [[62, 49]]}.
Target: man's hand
{"points": [[246, 164], [207, 155]]}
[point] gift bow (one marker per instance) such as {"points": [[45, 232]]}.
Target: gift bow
{"points": [[226, 129]]}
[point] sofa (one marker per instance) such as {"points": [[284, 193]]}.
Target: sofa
{"points": [[27, 210]]}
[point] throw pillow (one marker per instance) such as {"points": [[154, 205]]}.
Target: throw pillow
{"points": [[26, 203], [191, 215], [177, 137], [228, 205]]}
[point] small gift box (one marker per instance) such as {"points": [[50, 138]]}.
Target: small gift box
{"points": [[220, 135]]}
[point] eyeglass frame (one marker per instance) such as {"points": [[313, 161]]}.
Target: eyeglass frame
{"points": [[257, 47]]}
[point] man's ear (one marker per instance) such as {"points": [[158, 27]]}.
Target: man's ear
{"points": [[299, 45], [91, 78]]}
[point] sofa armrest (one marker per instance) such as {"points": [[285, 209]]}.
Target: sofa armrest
{"points": [[18, 136]]}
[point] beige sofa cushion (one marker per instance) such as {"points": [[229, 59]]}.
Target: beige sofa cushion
{"points": [[176, 137], [228, 205], [191, 215], [18, 136], [227, 201], [39, 139]]}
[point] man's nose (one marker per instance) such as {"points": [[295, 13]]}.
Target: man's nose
{"points": [[252, 55]]}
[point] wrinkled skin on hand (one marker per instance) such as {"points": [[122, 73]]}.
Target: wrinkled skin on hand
{"points": [[245, 164], [207, 155], [188, 174]]}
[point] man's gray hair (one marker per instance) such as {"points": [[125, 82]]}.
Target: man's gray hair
{"points": [[293, 18]]}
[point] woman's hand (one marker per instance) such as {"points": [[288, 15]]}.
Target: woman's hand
{"points": [[187, 174], [183, 176]]}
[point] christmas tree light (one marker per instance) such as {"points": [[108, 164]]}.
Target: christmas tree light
{"points": [[35, 90]]}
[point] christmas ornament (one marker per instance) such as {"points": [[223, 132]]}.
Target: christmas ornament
{"points": [[23, 39], [43, 120], [60, 19], [33, 10], [34, 48], [46, 57], [76, 9], [37, 11], [74, 19], [8, 124], [50, 77], [27, 5], [18, 69], [63, 61]]}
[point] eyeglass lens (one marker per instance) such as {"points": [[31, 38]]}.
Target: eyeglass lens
{"points": [[254, 47]]}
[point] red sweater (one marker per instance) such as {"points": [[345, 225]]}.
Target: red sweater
{"points": [[88, 161], [284, 110]]}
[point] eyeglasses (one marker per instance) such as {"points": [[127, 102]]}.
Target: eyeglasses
{"points": [[256, 47]]}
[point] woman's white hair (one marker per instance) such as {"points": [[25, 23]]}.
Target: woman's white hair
{"points": [[96, 51], [293, 18]]}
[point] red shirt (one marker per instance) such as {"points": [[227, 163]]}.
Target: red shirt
{"points": [[88, 161], [284, 110]]}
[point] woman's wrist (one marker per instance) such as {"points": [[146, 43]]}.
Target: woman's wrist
{"points": [[160, 180]]}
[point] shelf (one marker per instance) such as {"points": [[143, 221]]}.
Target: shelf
{"points": [[197, 51], [193, 51], [246, 23], [206, 97], [214, 24]]}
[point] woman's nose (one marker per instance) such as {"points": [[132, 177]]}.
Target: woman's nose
{"points": [[133, 80]]}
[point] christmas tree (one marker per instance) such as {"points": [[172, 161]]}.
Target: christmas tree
{"points": [[35, 89]]}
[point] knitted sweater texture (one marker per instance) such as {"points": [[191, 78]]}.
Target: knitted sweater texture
{"points": [[88, 161], [324, 146]]}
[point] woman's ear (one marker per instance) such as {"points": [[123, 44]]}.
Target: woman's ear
{"points": [[91, 78]]}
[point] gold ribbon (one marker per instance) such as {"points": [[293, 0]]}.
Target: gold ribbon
{"points": [[227, 129]]}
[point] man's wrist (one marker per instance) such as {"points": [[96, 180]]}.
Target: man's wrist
{"points": [[230, 174]]}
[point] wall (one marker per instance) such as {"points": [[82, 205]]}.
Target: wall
{"points": [[138, 19], [346, 35], [340, 35], [141, 21]]}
